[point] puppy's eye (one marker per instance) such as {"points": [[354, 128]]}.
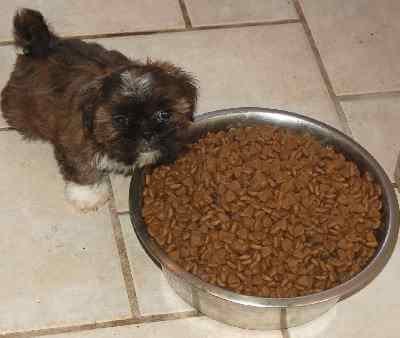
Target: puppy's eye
{"points": [[121, 120], [162, 116]]}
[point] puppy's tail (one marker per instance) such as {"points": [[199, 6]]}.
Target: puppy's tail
{"points": [[32, 34]]}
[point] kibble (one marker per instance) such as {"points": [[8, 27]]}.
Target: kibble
{"points": [[264, 211]]}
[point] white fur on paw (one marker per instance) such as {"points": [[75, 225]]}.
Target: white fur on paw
{"points": [[87, 197], [147, 158]]}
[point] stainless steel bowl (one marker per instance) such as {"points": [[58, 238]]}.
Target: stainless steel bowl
{"points": [[268, 313]]}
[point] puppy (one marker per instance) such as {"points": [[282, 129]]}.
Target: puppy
{"points": [[102, 111]]}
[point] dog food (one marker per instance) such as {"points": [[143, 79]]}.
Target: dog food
{"points": [[265, 212]]}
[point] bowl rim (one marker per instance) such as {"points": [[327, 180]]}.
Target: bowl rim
{"points": [[342, 291]]}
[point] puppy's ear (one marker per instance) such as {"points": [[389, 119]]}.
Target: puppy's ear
{"points": [[187, 83], [89, 98], [190, 92]]}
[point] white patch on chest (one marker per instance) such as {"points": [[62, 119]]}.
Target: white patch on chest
{"points": [[103, 162], [147, 158]]}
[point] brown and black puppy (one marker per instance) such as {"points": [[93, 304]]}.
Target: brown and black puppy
{"points": [[102, 111]]}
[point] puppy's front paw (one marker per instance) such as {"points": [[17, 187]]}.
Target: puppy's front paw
{"points": [[87, 198]]}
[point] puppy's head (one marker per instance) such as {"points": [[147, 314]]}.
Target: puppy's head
{"points": [[139, 113]]}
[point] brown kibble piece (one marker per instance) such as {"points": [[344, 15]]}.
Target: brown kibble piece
{"points": [[304, 281], [233, 279], [266, 251], [240, 246], [248, 212], [298, 230], [230, 196], [195, 238], [226, 236], [287, 245], [242, 233]]}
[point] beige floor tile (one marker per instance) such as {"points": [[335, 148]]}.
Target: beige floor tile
{"points": [[375, 124], [182, 328], [76, 17], [120, 186], [359, 41], [58, 267], [373, 312], [7, 57], [219, 12], [397, 170], [316, 328], [154, 294], [269, 66]]}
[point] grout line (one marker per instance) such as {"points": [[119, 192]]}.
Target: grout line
{"points": [[285, 333], [172, 30], [284, 324], [6, 129], [123, 212], [67, 329], [107, 324], [125, 34], [170, 316], [324, 73], [185, 14], [123, 256], [387, 94], [6, 42], [245, 24]]}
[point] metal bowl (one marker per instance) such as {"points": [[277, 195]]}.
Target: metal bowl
{"points": [[270, 313]]}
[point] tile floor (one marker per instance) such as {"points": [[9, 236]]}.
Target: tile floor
{"points": [[67, 274]]}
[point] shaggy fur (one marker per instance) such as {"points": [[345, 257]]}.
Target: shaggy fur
{"points": [[102, 111]]}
